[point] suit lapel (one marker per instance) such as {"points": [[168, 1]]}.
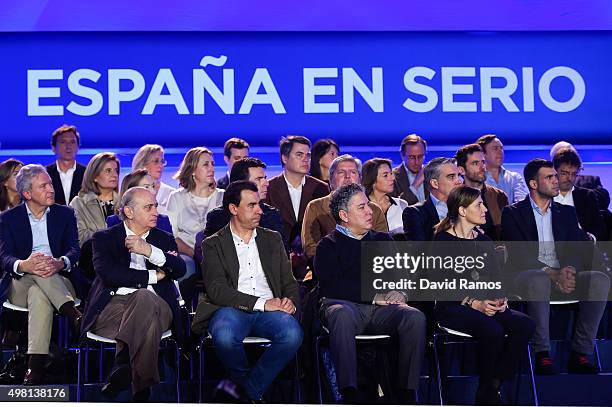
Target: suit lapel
{"points": [[75, 186], [53, 228], [285, 198], [307, 192], [527, 222], [228, 251], [404, 182], [555, 220], [28, 228], [263, 247]]}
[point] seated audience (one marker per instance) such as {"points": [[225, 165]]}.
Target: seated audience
{"points": [[502, 334], [409, 174], [9, 197], [323, 153], [512, 183], [567, 163], [378, 181], [250, 291], [139, 178], [291, 190], [471, 162], [38, 247], [234, 150], [98, 195], [133, 299], [318, 219], [189, 205], [441, 176], [248, 169], [337, 265], [151, 158], [66, 173], [547, 268]]}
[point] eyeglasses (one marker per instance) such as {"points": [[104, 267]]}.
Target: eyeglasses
{"points": [[157, 161], [569, 174]]}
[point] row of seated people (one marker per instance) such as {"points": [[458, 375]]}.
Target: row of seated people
{"points": [[135, 254]]}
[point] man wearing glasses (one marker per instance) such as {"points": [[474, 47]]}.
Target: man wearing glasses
{"points": [[409, 174]]}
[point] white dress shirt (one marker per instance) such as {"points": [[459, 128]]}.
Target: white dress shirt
{"points": [[66, 179], [187, 213], [40, 239], [295, 194], [251, 277], [568, 199], [394, 215], [138, 262]]}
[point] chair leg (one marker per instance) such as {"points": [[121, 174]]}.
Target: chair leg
{"points": [[79, 381], [438, 368], [298, 384], [597, 359], [201, 380], [100, 370], [532, 377], [178, 371]]}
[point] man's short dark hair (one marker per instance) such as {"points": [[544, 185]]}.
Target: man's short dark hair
{"points": [[240, 169], [286, 144], [234, 142], [411, 140], [567, 156], [533, 167], [234, 190], [463, 153], [65, 129], [340, 199], [483, 141]]}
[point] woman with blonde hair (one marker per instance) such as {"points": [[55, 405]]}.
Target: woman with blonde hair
{"points": [[9, 197], [189, 205], [502, 334], [98, 195], [151, 158]]}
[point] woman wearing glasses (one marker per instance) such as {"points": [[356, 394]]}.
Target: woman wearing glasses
{"points": [[151, 158], [98, 195]]}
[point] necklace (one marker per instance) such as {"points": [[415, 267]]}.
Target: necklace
{"points": [[473, 273], [200, 211]]}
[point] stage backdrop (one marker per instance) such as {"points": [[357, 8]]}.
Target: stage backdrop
{"points": [[361, 88]]}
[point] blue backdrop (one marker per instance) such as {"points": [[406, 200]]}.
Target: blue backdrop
{"points": [[362, 88]]}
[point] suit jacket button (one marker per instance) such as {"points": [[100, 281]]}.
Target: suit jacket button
{"points": [[112, 293], [139, 285]]}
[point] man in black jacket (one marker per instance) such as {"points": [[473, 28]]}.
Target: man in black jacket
{"points": [[66, 172], [558, 263], [337, 264], [133, 299], [441, 176]]}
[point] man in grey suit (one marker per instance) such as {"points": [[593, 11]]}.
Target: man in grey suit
{"points": [[409, 175], [250, 291]]}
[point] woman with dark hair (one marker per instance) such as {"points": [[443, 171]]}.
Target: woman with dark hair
{"points": [[139, 178], [503, 334], [9, 197], [377, 179], [323, 153]]}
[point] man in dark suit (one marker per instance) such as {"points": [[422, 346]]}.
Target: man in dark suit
{"points": [[552, 266], [337, 265], [250, 290], [291, 191], [409, 180], [65, 172], [441, 176], [567, 164], [234, 149], [133, 299], [38, 246], [247, 169], [471, 162]]}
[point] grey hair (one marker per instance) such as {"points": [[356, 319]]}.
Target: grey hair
{"points": [[340, 199], [340, 159], [127, 199], [432, 169], [25, 176], [561, 144]]}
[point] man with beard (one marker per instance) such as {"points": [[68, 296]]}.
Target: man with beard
{"points": [[471, 161]]}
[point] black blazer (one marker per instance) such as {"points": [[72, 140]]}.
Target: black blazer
{"points": [[587, 210], [75, 187], [223, 182], [16, 239], [518, 225], [112, 265], [218, 218], [419, 221], [593, 182], [220, 268]]}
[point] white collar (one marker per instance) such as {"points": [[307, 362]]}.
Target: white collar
{"points": [[238, 239], [69, 169], [128, 232], [31, 214], [289, 184]]}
